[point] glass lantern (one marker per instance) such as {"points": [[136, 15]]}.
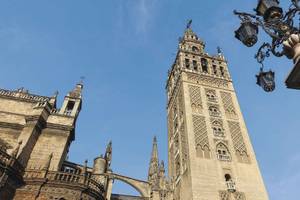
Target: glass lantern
{"points": [[247, 33], [269, 9], [266, 80]]}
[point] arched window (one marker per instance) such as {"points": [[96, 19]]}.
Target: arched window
{"points": [[203, 152], [195, 49], [229, 183], [214, 111], [211, 95], [227, 177], [215, 70], [187, 63], [222, 152], [222, 71], [195, 65], [218, 129], [204, 65]]}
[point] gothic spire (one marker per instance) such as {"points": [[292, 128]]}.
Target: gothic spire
{"points": [[154, 162], [108, 154]]}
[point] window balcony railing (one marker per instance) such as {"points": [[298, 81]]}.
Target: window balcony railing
{"points": [[223, 157], [230, 186]]}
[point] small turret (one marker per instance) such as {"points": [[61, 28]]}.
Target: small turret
{"points": [[99, 165], [72, 102]]}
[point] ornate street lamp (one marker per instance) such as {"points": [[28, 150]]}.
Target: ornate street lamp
{"points": [[285, 37]]}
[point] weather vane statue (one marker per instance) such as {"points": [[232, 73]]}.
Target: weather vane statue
{"points": [[189, 24]]}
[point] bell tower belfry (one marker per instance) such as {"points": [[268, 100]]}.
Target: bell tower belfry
{"points": [[209, 151]]}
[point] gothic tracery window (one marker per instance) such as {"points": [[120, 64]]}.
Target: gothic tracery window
{"points": [[211, 95], [223, 152], [214, 111], [218, 130]]}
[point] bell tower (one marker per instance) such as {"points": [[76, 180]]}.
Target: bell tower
{"points": [[209, 151]]}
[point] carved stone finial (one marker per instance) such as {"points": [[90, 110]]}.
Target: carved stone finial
{"points": [[22, 90], [84, 172], [55, 94]]}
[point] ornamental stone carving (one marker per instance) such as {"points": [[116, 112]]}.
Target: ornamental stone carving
{"points": [[228, 105], [201, 136], [238, 141], [195, 99]]}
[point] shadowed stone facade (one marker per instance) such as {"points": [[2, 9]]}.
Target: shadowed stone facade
{"points": [[210, 156]]}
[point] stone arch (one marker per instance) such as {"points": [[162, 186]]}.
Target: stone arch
{"points": [[142, 187]]}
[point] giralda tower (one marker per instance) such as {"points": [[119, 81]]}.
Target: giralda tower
{"points": [[210, 152]]}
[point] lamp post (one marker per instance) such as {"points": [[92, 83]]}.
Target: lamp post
{"points": [[285, 38]]}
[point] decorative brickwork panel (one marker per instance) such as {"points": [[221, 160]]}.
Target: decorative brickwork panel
{"points": [[224, 195], [239, 196], [238, 141], [177, 167], [201, 137], [180, 104], [210, 81], [195, 99], [228, 104], [172, 159], [184, 147]]}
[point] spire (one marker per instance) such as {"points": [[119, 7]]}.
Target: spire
{"points": [[154, 149], [154, 162], [190, 38], [162, 167], [108, 154]]}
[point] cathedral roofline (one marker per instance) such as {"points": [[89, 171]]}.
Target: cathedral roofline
{"points": [[22, 94]]}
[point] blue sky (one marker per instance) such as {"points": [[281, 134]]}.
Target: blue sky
{"points": [[124, 49]]}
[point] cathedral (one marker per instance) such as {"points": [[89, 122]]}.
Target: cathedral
{"points": [[210, 156]]}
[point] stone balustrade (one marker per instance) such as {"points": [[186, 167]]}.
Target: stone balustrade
{"points": [[66, 179]]}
